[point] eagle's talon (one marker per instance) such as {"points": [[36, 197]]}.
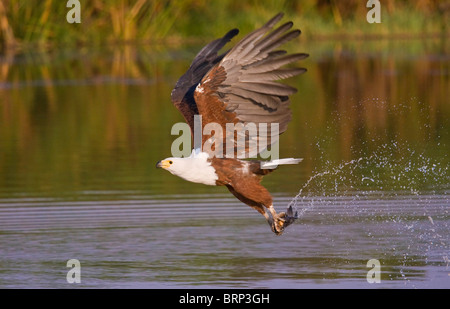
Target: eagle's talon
{"points": [[278, 230], [277, 225], [282, 220]]}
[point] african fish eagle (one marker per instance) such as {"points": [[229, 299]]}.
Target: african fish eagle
{"points": [[238, 86]]}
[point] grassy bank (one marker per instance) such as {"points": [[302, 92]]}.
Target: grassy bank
{"points": [[25, 23]]}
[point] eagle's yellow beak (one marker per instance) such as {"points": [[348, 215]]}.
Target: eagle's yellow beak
{"points": [[163, 164]]}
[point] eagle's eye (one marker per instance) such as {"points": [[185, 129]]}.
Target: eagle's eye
{"points": [[170, 162]]}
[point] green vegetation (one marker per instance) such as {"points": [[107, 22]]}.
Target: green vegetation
{"points": [[25, 23], [92, 114]]}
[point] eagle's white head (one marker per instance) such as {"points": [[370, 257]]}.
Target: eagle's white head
{"points": [[195, 168]]}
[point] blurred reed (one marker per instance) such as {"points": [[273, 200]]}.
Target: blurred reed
{"points": [[43, 23]]}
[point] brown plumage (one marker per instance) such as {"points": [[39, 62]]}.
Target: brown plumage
{"points": [[239, 86]]}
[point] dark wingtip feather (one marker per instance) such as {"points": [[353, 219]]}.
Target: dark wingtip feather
{"points": [[231, 34]]}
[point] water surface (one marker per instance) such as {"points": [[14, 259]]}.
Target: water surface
{"points": [[81, 131]]}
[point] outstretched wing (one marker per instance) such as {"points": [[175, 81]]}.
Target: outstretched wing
{"points": [[183, 94], [242, 89]]}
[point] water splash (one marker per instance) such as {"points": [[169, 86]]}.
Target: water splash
{"points": [[334, 171], [404, 197], [377, 174]]}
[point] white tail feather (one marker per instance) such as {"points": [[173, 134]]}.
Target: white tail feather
{"points": [[274, 163]]}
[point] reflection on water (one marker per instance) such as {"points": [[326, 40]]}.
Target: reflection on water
{"points": [[80, 133]]}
